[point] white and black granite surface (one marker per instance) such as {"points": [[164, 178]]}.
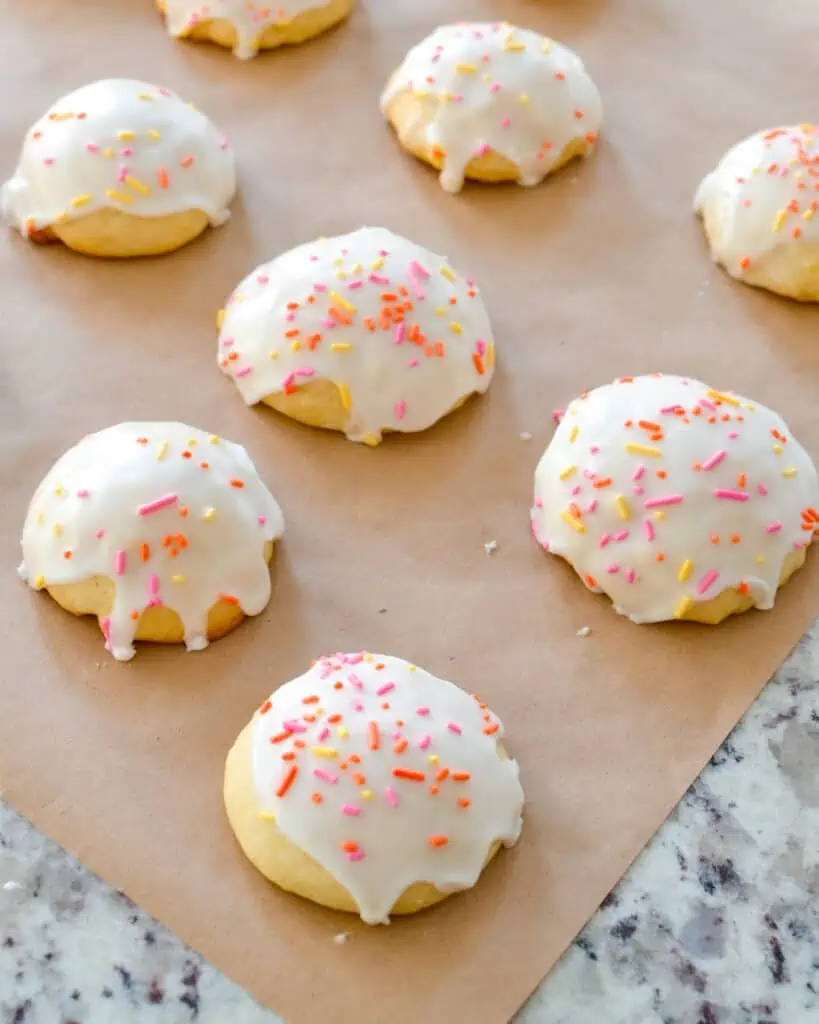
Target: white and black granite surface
{"points": [[717, 922]]}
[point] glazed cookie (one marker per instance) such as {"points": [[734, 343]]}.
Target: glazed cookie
{"points": [[492, 103], [371, 786], [162, 531], [676, 500], [121, 168], [758, 210], [365, 333], [247, 26]]}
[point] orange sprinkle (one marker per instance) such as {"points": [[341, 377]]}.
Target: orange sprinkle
{"points": [[490, 729], [144, 552], [281, 737], [336, 314], [660, 557], [434, 790], [237, 483], [317, 798], [313, 699], [605, 482], [135, 615], [592, 582], [358, 779], [335, 718], [67, 554], [463, 802], [476, 359], [741, 480], [349, 847], [355, 758], [439, 349], [441, 774], [400, 746], [291, 333], [715, 538], [308, 718], [743, 588], [162, 177], [461, 776], [299, 743], [292, 305], [373, 739], [289, 756], [661, 473], [648, 425], [288, 780], [183, 511], [404, 773], [186, 161], [735, 539], [438, 840], [265, 707]]}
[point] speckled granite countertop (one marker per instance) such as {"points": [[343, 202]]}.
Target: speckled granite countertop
{"points": [[716, 923]]}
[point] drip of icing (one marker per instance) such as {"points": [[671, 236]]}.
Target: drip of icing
{"points": [[173, 515], [401, 334], [501, 89], [725, 495], [762, 195], [249, 18], [123, 145], [423, 801]]}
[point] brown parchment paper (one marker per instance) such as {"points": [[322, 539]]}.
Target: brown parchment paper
{"points": [[598, 273]]}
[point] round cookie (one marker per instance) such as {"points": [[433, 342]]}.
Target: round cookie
{"points": [[758, 208], [247, 26], [675, 500], [161, 530], [120, 168], [365, 333], [493, 103], [371, 786]]}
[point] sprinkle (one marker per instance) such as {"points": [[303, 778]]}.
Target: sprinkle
{"points": [[622, 507], [137, 185], [177, 579], [119, 197], [642, 449], [126, 136], [328, 752], [461, 776], [718, 396], [384, 688], [454, 728], [39, 582], [567, 472], [683, 607], [648, 529], [669, 499], [715, 459], [392, 799], [373, 739], [789, 472], [774, 527], [425, 741], [422, 711], [186, 161], [159, 503], [400, 409], [144, 552], [489, 731], [288, 780], [574, 523], [405, 773], [351, 810], [119, 563], [81, 200], [685, 570], [707, 581], [721, 492]]}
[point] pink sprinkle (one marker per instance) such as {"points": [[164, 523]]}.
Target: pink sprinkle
{"points": [[480, 346], [638, 472], [576, 490], [159, 503], [304, 371], [353, 678], [378, 279], [396, 736], [357, 705], [538, 502], [326, 671], [422, 711], [670, 408], [263, 279], [594, 449], [327, 323], [425, 741], [708, 580], [604, 540], [453, 727], [223, 142], [319, 287], [648, 528], [592, 506], [413, 363], [353, 285], [119, 563], [669, 499], [392, 799], [400, 331], [613, 568], [83, 494], [715, 459], [733, 435], [290, 317], [774, 527], [322, 773], [355, 855], [245, 370], [721, 492], [92, 147], [638, 490], [123, 174], [482, 150], [353, 659], [288, 381], [49, 161], [494, 87], [621, 536], [99, 534], [763, 490], [227, 343], [153, 584], [350, 809], [105, 626], [386, 688], [127, 151], [558, 414], [293, 726], [630, 577], [416, 268], [505, 122], [322, 736], [708, 405], [262, 520]]}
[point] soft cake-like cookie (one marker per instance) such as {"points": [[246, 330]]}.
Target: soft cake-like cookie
{"points": [[494, 103], [758, 208], [371, 786], [247, 26], [162, 531], [121, 168], [365, 333], [676, 500]]}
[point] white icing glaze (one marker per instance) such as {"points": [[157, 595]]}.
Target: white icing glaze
{"points": [[393, 716], [92, 515], [612, 498], [371, 312], [250, 18], [123, 145], [762, 195], [501, 88]]}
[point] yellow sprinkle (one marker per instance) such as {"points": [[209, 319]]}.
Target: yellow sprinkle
{"points": [[622, 507], [214, 439], [642, 449], [366, 794], [778, 449], [685, 570], [722, 398], [58, 530], [683, 607], [162, 450], [369, 659], [523, 98], [546, 46], [344, 391], [574, 523], [789, 472], [420, 93], [145, 96], [445, 95], [126, 136], [567, 472], [41, 517], [192, 442], [760, 559], [220, 318], [779, 220], [177, 579], [342, 302], [295, 345], [266, 816], [341, 275], [490, 356], [154, 135], [371, 440], [807, 215], [377, 264], [467, 69], [61, 117], [208, 514], [447, 273], [137, 185], [274, 354], [39, 582], [411, 668], [343, 732], [108, 152], [59, 490], [356, 268], [324, 751], [119, 197], [338, 261], [456, 328], [81, 200], [440, 311], [573, 433], [433, 758], [340, 346], [659, 514], [513, 47]]}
